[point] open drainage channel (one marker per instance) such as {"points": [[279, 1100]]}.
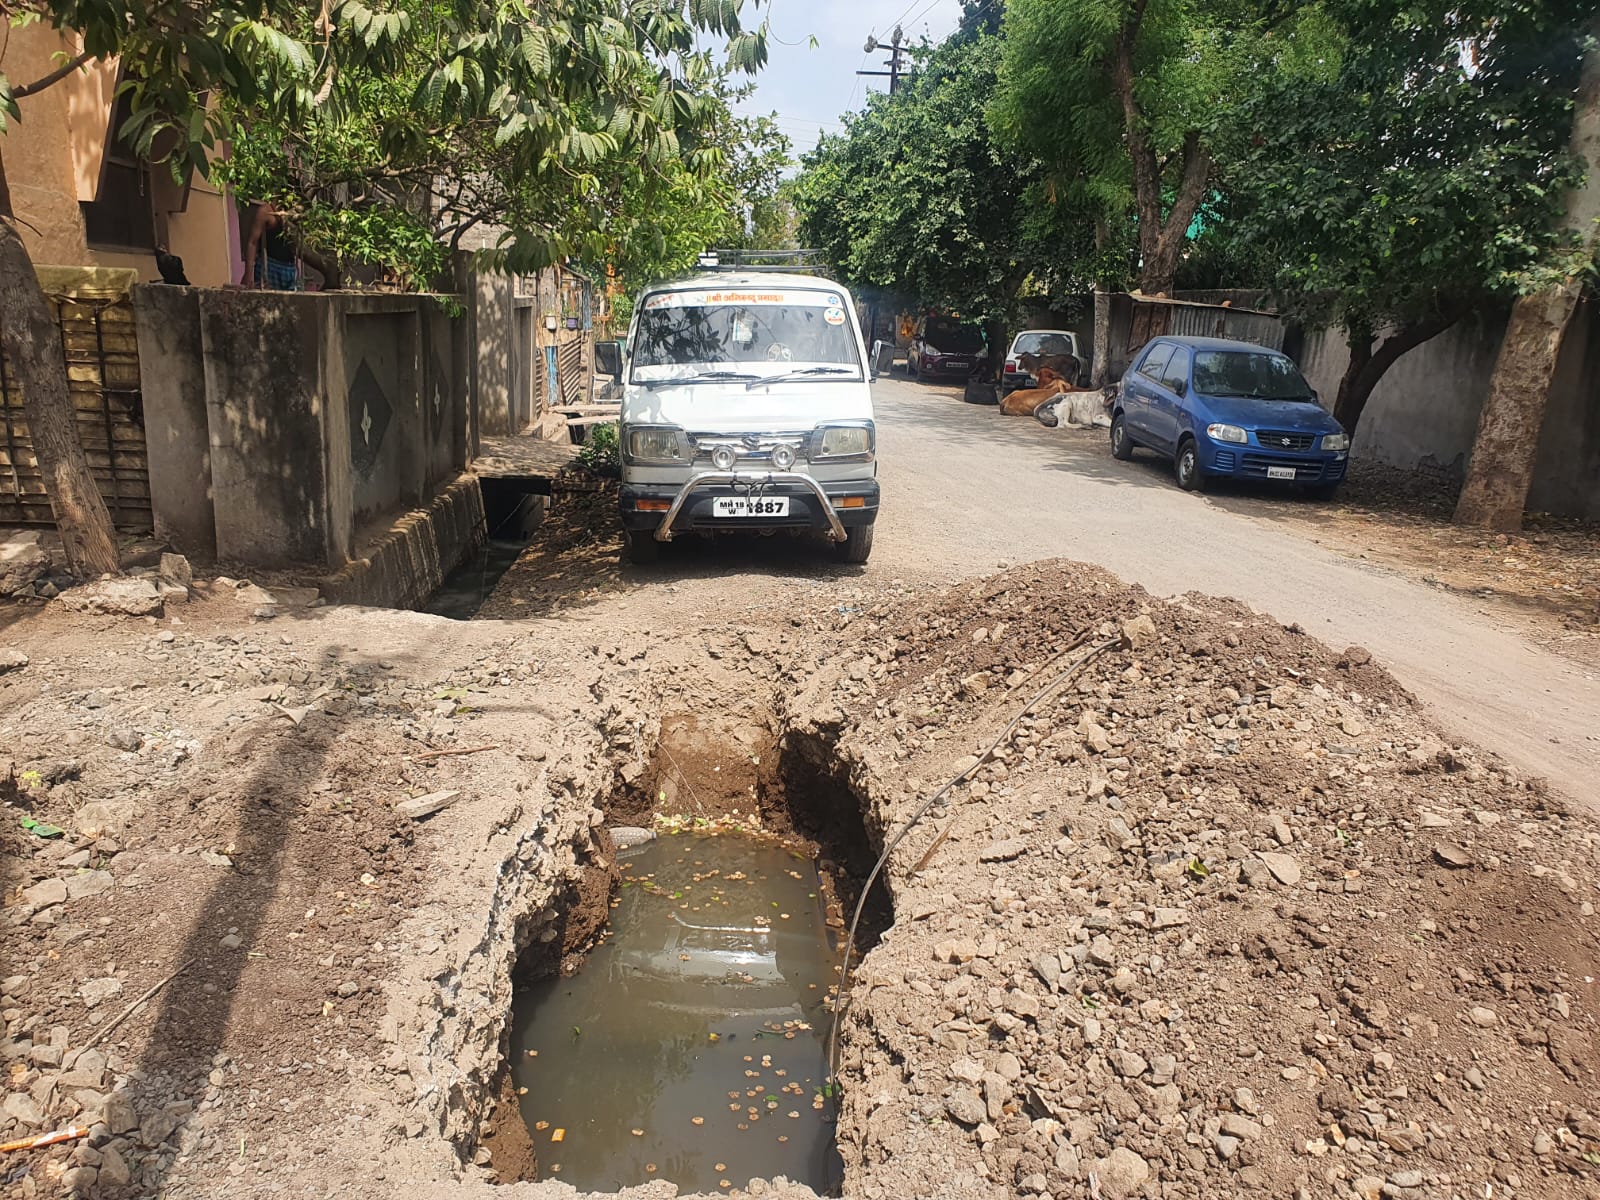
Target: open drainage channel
{"points": [[512, 516], [690, 1042]]}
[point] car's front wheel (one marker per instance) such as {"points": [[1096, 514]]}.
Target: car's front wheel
{"points": [[1121, 443], [643, 548], [1186, 467], [857, 545]]}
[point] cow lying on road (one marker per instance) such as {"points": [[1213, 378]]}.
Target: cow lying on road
{"points": [[1027, 401], [1077, 406]]}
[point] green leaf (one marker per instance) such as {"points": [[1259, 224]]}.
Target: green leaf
{"points": [[535, 51]]}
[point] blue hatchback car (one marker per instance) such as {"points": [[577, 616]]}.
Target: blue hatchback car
{"points": [[1230, 410]]}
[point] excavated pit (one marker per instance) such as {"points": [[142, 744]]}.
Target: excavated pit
{"points": [[685, 1038]]}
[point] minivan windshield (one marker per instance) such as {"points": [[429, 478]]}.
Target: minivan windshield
{"points": [[1249, 375], [743, 334]]}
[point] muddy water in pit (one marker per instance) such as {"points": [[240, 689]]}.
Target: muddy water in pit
{"points": [[691, 1046]]}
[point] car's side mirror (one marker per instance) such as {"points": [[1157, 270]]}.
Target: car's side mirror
{"points": [[608, 359], [1181, 387], [1315, 399]]}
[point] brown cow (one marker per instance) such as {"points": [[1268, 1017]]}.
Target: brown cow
{"points": [[1024, 402]]}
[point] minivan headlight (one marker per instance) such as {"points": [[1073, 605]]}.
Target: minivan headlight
{"points": [[655, 443], [1227, 433], [843, 441], [1336, 441]]}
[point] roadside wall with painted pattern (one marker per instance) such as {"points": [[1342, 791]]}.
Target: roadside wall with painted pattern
{"points": [[295, 427]]}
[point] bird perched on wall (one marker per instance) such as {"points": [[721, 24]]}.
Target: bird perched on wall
{"points": [[171, 267]]}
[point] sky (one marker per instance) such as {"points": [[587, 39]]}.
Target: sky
{"points": [[811, 89]]}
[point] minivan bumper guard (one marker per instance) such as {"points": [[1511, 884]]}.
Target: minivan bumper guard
{"points": [[756, 481]]}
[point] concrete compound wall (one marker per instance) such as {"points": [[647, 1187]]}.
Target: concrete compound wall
{"points": [[1423, 415], [292, 429]]}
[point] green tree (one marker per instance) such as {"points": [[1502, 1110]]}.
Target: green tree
{"points": [[917, 201], [520, 101], [657, 223], [1117, 99], [1395, 182]]}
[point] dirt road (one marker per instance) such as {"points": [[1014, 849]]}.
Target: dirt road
{"points": [[967, 490]]}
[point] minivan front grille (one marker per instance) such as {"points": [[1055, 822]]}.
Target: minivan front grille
{"points": [[1284, 439], [750, 447]]}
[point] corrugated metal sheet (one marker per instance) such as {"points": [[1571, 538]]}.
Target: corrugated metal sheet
{"points": [[1194, 320], [1157, 318]]}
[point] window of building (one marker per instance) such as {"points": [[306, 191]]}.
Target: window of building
{"points": [[121, 216]]}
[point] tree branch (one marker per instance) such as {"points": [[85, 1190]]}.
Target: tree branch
{"points": [[1191, 191], [1408, 338], [56, 76]]}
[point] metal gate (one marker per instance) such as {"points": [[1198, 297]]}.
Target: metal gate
{"points": [[98, 344]]}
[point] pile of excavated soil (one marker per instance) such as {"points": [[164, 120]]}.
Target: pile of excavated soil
{"points": [[1224, 916]]}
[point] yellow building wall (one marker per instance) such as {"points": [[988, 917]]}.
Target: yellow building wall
{"points": [[53, 158]]}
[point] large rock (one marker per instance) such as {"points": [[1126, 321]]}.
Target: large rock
{"points": [[21, 1107], [44, 894], [117, 597], [964, 1105], [12, 660], [97, 991], [175, 570], [1283, 867], [22, 561], [1121, 1174], [100, 817]]}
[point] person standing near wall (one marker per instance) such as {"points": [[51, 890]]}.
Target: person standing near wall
{"points": [[272, 259]]}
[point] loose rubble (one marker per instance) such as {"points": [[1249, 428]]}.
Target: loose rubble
{"points": [[1195, 898], [1224, 917]]}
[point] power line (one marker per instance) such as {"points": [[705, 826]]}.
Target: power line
{"points": [[850, 103], [924, 11]]}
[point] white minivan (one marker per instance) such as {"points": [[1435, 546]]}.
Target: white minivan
{"points": [[745, 406]]}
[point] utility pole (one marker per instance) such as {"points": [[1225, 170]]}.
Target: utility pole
{"points": [[896, 47]]}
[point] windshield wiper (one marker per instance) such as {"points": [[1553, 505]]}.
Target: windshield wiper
{"points": [[707, 377], [760, 379]]}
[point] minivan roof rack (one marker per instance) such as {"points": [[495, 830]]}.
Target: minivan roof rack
{"points": [[761, 260]]}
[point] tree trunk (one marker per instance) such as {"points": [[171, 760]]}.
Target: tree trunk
{"points": [[1501, 469], [1347, 405], [32, 342], [1160, 268], [1100, 368], [1161, 241], [1368, 366]]}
